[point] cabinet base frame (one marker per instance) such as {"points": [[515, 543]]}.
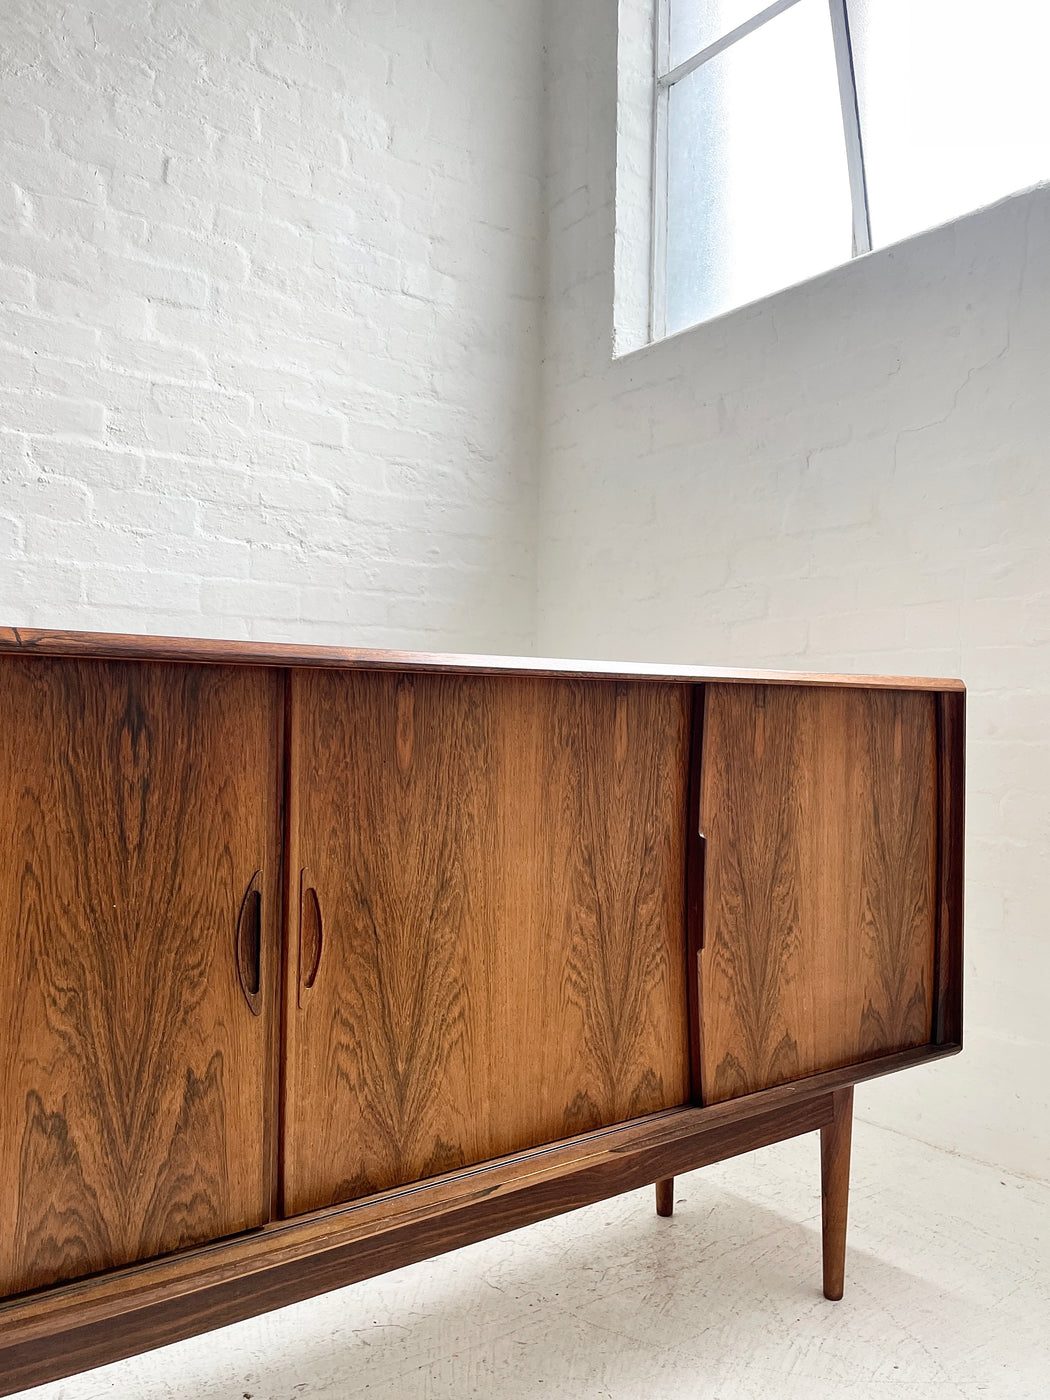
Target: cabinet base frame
{"points": [[73, 1327]]}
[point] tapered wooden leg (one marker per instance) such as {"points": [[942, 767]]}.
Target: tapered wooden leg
{"points": [[665, 1196], [834, 1190]]}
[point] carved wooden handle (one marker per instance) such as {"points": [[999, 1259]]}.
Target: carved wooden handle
{"points": [[701, 873], [249, 945], [311, 934]]}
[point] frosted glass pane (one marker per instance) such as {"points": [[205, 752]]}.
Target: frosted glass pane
{"points": [[954, 106], [696, 23], [757, 185]]}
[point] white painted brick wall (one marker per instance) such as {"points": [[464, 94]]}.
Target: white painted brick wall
{"points": [[853, 475], [270, 279]]}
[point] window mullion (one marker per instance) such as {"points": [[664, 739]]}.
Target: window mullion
{"points": [[667, 79], [658, 230], [858, 184]]}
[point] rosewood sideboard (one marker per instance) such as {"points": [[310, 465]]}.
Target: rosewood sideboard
{"points": [[318, 962]]}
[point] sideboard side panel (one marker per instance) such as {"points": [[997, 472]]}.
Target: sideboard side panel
{"points": [[138, 806], [820, 810], [951, 777], [499, 868]]}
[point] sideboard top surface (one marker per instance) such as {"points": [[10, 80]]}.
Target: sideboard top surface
{"points": [[27, 641]]}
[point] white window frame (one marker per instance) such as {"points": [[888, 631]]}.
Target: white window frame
{"points": [[665, 77]]}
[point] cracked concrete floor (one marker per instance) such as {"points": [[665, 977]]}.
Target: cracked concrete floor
{"points": [[947, 1296]]}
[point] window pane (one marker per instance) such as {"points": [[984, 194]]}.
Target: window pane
{"points": [[954, 106], [757, 186], [693, 24]]}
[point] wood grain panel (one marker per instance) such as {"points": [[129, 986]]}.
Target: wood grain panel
{"points": [[499, 873], [136, 804], [819, 809]]}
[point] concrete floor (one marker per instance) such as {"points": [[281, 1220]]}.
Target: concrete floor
{"points": [[947, 1298]]}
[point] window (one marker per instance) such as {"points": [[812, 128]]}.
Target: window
{"points": [[790, 137]]}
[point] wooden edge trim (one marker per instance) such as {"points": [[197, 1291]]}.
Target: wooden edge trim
{"points": [[694, 890], [95, 1331], [948, 936], [28, 641]]}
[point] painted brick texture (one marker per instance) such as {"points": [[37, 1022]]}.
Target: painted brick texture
{"points": [[269, 311]]}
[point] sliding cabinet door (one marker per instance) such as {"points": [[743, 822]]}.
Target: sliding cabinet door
{"points": [[138, 869], [819, 808], [487, 920]]}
